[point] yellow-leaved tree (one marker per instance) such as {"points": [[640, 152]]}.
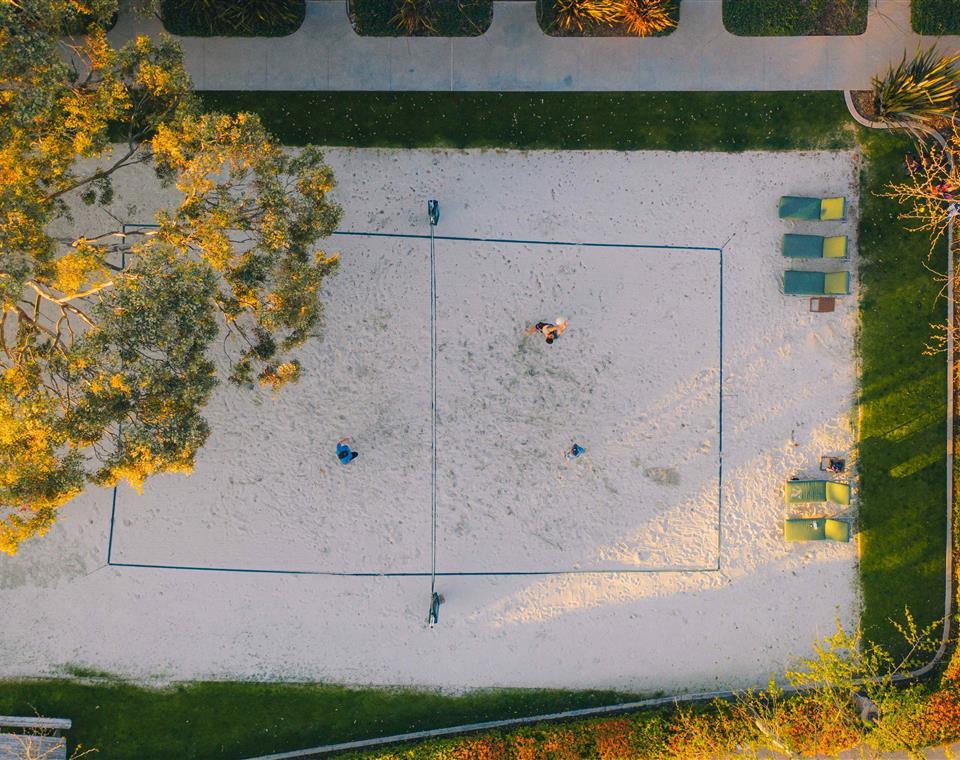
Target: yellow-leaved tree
{"points": [[104, 370]]}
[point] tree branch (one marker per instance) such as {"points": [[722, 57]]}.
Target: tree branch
{"points": [[36, 324], [67, 299], [3, 335], [101, 174], [89, 322]]}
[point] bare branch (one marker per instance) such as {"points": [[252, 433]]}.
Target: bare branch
{"points": [[60, 301], [74, 310]]}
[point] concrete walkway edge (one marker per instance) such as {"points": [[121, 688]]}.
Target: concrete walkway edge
{"points": [[514, 55]]}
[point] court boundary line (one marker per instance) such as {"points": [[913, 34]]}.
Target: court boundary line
{"points": [[696, 569]]}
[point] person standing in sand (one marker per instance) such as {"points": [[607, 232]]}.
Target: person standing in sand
{"points": [[550, 330]]}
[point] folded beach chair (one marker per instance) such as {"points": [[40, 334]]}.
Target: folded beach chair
{"points": [[803, 491], [816, 529], [823, 209], [814, 247], [798, 283]]}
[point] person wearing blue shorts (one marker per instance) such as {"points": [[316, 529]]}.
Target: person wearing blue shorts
{"points": [[344, 453], [549, 330]]}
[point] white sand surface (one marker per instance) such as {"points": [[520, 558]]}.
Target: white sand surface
{"points": [[715, 597]]}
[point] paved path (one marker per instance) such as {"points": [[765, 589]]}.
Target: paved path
{"points": [[514, 54]]}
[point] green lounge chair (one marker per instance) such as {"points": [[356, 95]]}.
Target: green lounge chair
{"points": [[814, 247], [804, 491], [812, 209], [816, 529], [798, 283]]}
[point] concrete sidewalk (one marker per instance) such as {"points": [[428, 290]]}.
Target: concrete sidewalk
{"points": [[514, 54]]}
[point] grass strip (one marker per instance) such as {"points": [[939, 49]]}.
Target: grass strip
{"points": [[581, 120], [902, 408], [234, 719]]}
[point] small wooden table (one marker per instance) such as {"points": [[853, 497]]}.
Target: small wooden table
{"points": [[822, 304], [40, 741]]}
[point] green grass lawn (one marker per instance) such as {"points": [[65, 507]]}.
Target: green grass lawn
{"points": [[795, 18], [903, 403], [236, 720], [901, 463], [618, 121], [935, 16]]}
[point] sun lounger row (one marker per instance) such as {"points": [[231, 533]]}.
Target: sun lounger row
{"points": [[803, 283]]}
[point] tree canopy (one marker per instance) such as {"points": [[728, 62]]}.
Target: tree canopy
{"points": [[105, 334]]}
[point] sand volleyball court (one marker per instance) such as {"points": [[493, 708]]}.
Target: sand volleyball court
{"points": [[634, 380], [655, 560]]}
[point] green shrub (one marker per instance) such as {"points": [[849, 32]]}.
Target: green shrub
{"points": [[608, 18], [230, 18], [421, 18], [794, 18], [645, 18], [580, 15], [413, 18]]}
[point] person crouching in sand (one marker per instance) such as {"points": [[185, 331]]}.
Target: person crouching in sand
{"points": [[550, 330]]}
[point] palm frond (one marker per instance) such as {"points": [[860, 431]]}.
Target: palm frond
{"points": [[580, 14], [917, 91], [642, 18], [413, 17]]}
